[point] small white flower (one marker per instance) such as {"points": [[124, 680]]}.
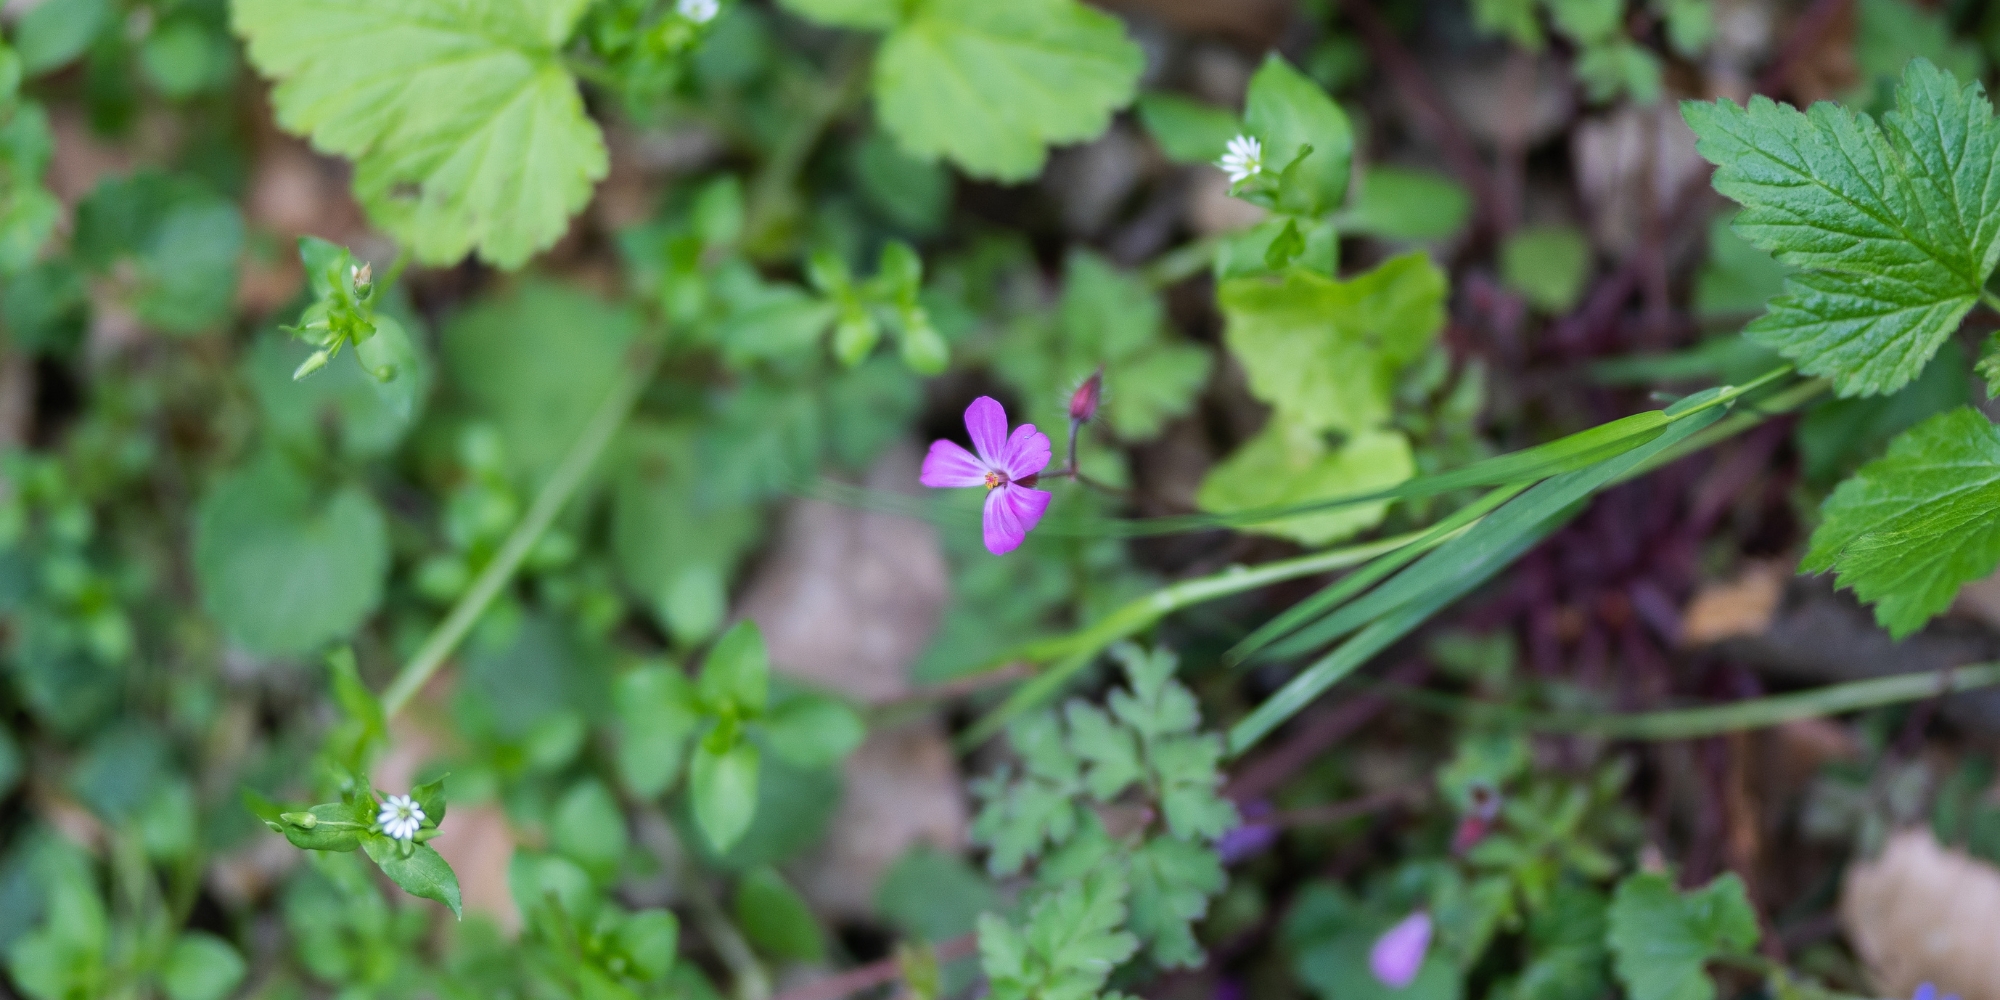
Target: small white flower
{"points": [[699, 11], [1244, 160], [400, 817]]}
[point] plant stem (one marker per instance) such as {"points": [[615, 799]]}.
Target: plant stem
{"points": [[1077, 650], [555, 494], [1714, 720]]}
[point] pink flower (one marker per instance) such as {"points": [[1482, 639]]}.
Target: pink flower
{"points": [[1399, 953], [1006, 464]]}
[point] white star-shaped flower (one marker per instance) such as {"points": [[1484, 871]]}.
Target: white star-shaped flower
{"points": [[1244, 160], [400, 817], [699, 11]]}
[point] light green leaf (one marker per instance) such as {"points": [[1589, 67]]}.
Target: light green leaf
{"points": [[1287, 111], [1110, 751], [1282, 466], [1400, 203], [201, 967], [286, 567], [1326, 352], [1172, 881], [537, 362], [1912, 527], [369, 417], [65, 957], [879, 15], [813, 731], [1071, 942], [589, 829], [1890, 33], [737, 673], [467, 131], [932, 895], [775, 919], [657, 717], [1188, 131], [1663, 940], [649, 940], [57, 31], [1019, 816], [1895, 227], [28, 210], [724, 790], [1516, 19], [424, 873], [990, 86], [1548, 265]]}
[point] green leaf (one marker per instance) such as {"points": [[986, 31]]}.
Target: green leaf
{"points": [[53, 33], [649, 941], [1662, 940], [1737, 278], [1890, 33], [1108, 319], [65, 957], [813, 731], [775, 919], [538, 362], [657, 716], [737, 673], [1838, 435], [1109, 751], [422, 873], [1018, 817], [1895, 227], [1188, 131], [180, 240], [467, 131], [675, 543], [589, 829], [1326, 352], [1912, 527], [1172, 881], [201, 967], [1517, 19], [1069, 946], [28, 210], [367, 418], [723, 787], [1287, 111], [1400, 203], [282, 570], [1331, 934], [1281, 467], [879, 15], [990, 86], [933, 895], [1548, 265]]}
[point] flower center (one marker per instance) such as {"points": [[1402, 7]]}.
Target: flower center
{"points": [[995, 480]]}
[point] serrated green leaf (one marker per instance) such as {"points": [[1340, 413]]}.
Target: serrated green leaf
{"points": [[422, 873], [1068, 948], [1018, 817], [1110, 752], [1913, 526], [467, 131], [1172, 881], [723, 788], [1663, 940], [1281, 467], [1326, 352], [285, 568], [1895, 227], [1737, 278], [990, 86]]}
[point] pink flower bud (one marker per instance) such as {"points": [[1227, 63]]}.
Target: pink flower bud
{"points": [[1399, 953], [1083, 403]]}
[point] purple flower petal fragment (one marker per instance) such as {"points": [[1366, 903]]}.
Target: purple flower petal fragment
{"points": [[1399, 953], [949, 466], [1246, 841], [986, 421], [1011, 512], [1929, 991], [1027, 453]]}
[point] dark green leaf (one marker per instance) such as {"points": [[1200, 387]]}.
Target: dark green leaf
{"points": [[201, 967], [775, 919], [422, 873]]}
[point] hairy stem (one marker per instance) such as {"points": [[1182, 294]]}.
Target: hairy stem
{"points": [[555, 494]]}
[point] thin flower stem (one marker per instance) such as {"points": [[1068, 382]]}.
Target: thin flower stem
{"points": [[555, 494]]}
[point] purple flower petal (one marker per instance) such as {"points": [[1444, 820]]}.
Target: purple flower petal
{"points": [[1246, 841], [950, 465], [1027, 453], [986, 421], [1399, 953], [1011, 512]]}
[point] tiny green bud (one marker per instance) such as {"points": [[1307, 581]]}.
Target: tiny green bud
{"points": [[311, 364], [302, 820]]}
